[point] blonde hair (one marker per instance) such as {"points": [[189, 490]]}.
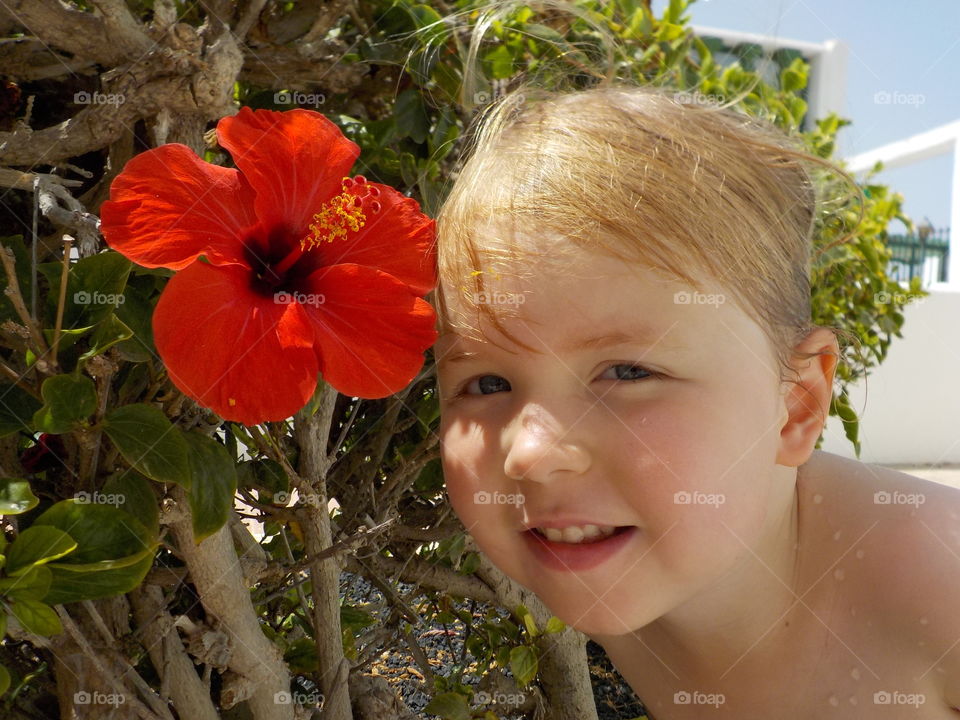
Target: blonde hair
{"points": [[646, 174]]}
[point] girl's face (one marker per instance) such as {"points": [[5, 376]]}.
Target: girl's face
{"points": [[650, 409]]}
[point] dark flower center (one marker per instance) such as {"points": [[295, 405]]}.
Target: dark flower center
{"points": [[338, 216]]}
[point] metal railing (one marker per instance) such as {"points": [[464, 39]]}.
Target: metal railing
{"points": [[924, 255]]}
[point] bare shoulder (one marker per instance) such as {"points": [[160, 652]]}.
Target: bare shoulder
{"points": [[898, 537]]}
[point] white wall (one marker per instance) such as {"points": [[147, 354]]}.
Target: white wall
{"points": [[910, 406]]}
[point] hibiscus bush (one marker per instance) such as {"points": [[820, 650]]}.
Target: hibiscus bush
{"points": [[220, 492]]}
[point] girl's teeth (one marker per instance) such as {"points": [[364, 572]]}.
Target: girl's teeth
{"points": [[578, 534], [553, 534]]}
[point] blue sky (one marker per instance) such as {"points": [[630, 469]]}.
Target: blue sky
{"points": [[894, 47]]}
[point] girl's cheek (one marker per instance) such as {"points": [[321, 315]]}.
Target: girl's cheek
{"points": [[460, 459]]}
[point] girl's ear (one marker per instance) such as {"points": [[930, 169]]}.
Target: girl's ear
{"points": [[806, 402]]}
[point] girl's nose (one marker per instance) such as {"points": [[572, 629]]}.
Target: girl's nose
{"points": [[539, 447]]}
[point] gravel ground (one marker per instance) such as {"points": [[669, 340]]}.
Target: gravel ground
{"points": [[443, 646]]}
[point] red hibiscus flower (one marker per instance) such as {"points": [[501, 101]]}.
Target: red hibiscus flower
{"points": [[305, 270]]}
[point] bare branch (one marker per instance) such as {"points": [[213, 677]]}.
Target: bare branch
{"points": [[250, 15], [218, 578], [164, 80], [427, 575], [168, 655], [124, 30], [63, 26], [13, 292], [24, 180], [106, 673], [158, 706]]}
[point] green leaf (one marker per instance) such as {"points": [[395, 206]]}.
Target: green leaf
{"points": [[102, 532], [213, 484], [675, 10], [34, 584], [355, 617], [89, 581], [114, 552], [528, 621], [37, 545], [301, 656], [137, 313], [523, 664], [109, 332], [434, 31], [449, 706], [17, 407], [409, 170], [68, 399], [150, 443], [410, 116], [16, 496], [501, 62], [445, 132], [266, 473], [544, 33], [94, 288], [36, 617], [134, 495], [555, 625], [4, 673], [471, 561], [456, 546]]}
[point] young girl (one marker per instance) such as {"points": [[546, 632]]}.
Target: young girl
{"points": [[631, 392]]}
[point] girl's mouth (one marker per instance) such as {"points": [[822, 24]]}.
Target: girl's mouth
{"points": [[579, 534], [575, 550]]}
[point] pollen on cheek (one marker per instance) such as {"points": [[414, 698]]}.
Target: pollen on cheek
{"points": [[343, 213]]}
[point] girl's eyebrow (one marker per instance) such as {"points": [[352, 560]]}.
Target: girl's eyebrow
{"points": [[458, 356], [640, 336]]}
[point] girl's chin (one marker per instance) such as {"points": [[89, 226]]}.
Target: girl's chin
{"points": [[593, 616]]}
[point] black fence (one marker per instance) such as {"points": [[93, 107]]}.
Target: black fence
{"points": [[924, 255]]}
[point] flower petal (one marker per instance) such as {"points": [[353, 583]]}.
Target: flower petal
{"points": [[370, 330], [233, 350], [399, 240], [168, 207], [294, 160]]}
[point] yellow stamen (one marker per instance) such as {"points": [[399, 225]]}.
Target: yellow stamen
{"points": [[341, 214]]}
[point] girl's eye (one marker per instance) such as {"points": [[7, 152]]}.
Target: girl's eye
{"points": [[485, 385], [626, 371], [490, 384]]}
